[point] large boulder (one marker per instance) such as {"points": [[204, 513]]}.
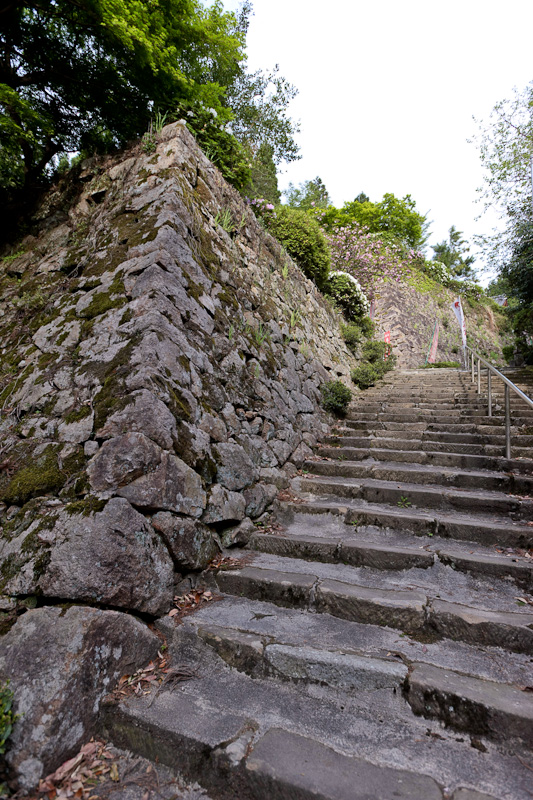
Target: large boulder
{"points": [[112, 557], [60, 664]]}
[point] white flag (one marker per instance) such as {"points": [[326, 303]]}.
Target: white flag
{"points": [[458, 311]]}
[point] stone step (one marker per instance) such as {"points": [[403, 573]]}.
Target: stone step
{"points": [[438, 458], [394, 600], [423, 474], [427, 425], [424, 415], [334, 542], [461, 701], [485, 529], [519, 439], [430, 441], [407, 495], [308, 731]]}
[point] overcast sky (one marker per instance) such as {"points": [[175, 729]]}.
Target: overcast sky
{"points": [[387, 91]]}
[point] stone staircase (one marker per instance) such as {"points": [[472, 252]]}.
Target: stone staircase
{"points": [[376, 643]]}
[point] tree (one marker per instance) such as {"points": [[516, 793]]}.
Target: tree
{"points": [[83, 73], [89, 74], [263, 179], [452, 254], [396, 220], [506, 151], [310, 194]]}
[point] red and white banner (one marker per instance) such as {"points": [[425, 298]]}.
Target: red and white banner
{"points": [[387, 340], [434, 344], [458, 311]]}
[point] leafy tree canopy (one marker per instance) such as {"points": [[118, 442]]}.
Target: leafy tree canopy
{"points": [[393, 218], [80, 73], [263, 181], [310, 194], [453, 254], [88, 75]]}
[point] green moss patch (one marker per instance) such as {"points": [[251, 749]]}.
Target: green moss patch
{"points": [[41, 474]]}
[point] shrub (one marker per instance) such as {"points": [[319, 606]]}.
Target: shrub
{"points": [[335, 397], [375, 353], [347, 293], [304, 241], [352, 335], [364, 375], [7, 717], [442, 365], [508, 352]]}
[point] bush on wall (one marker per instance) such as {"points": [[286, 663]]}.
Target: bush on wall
{"points": [[304, 241], [347, 293]]}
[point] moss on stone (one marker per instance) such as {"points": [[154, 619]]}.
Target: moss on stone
{"points": [[41, 474], [102, 302], [77, 414], [89, 505]]}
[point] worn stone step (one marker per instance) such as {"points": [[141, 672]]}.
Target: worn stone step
{"points": [[464, 702], [344, 592], [485, 529], [257, 738], [438, 458], [469, 704], [230, 761], [253, 625], [447, 427], [419, 473], [332, 541], [424, 415], [519, 439], [406, 495], [424, 442]]}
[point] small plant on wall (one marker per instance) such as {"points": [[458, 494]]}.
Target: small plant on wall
{"points": [[335, 397]]}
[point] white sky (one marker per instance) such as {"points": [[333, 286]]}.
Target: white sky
{"points": [[387, 91]]}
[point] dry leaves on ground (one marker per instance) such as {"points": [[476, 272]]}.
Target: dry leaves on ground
{"points": [[79, 777], [187, 603], [221, 562], [286, 496]]}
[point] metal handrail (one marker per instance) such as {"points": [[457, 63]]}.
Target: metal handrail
{"points": [[507, 402]]}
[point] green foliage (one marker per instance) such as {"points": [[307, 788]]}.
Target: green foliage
{"points": [[310, 194], [365, 375], [508, 352], [304, 241], [442, 365], [453, 254], [335, 397], [263, 180], [7, 716], [86, 75], [347, 293], [92, 75], [352, 335], [394, 219], [377, 360], [259, 103]]}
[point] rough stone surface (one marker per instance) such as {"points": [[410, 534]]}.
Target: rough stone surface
{"points": [[60, 664], [146, 414], [191, 544], [149, 362], [111, 557], [224, 506], [172, 485]]}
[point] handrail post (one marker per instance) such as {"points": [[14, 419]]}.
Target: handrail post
{"points": [[507, 423], [472, 359], [478, 376], [489, 392]]}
